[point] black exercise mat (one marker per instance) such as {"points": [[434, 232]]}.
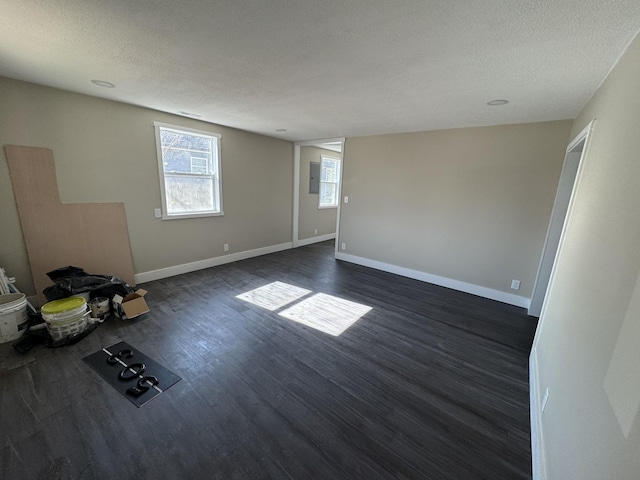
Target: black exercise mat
{"points": [[131, 372]]}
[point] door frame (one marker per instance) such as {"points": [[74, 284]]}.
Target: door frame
{"points": [[561, 207], [296, 184]]}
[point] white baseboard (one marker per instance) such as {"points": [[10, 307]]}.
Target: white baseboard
{"points": [[478, 290], [209, 262], [319, 238], [387, 267], [537, 453]]}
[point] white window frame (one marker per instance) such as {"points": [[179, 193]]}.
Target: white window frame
{"points": [[216, 174], [336, 183]]}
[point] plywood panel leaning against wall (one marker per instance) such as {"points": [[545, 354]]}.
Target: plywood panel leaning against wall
{"points": [[93, 236]]}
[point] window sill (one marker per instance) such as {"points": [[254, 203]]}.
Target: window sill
{"points": [[326, 207], [192, 215]]}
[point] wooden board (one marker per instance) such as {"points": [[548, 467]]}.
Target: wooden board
{"points": [[93, 236]]}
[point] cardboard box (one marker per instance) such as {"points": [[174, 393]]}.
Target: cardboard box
{"points": [[130, 306]]}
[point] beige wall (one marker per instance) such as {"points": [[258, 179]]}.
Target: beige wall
{"points": [[310, 216], [587, 348], [470, 204], [105, 152]]}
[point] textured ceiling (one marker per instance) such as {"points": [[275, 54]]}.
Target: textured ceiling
{"points": [[325, 68]]}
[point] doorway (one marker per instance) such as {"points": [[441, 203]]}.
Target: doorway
{"points": [[566, 186], [317, 188]]}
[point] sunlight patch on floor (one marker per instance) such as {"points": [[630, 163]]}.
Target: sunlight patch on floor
{"points": [[326, 313], [274, 295]]}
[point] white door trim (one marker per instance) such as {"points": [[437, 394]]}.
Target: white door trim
{"points": [[296, 184], [571, 169]]}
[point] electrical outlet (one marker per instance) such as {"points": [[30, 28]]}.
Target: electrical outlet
{"points": [[315, 232], [545, 399], [515, 284], [226, 247], [343, 246], [157, 213]]}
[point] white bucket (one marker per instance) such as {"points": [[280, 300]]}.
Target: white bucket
{"points": [[69, 317], [100, 308], [13, 316]]}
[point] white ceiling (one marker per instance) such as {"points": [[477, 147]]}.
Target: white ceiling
{"points": [[325, 68]]}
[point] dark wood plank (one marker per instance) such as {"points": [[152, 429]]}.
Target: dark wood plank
{"points": [[430, 384]]}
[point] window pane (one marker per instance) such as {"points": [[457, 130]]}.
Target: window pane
{"points": [[328, 194], [178, 149], [186, 194], [329, 170]]}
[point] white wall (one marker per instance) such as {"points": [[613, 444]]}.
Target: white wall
{"points": [[471, 205], [587, 347]]}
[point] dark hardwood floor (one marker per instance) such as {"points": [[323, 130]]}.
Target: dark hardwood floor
{"points": [[430, 384]]}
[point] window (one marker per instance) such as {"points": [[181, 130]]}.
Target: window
{"points": [[189, 166], [329, 178]]}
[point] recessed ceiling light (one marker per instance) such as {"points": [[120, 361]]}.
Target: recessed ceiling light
{"points": [[497, 103], [189, 114], [103, 83], [281, 130]]}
